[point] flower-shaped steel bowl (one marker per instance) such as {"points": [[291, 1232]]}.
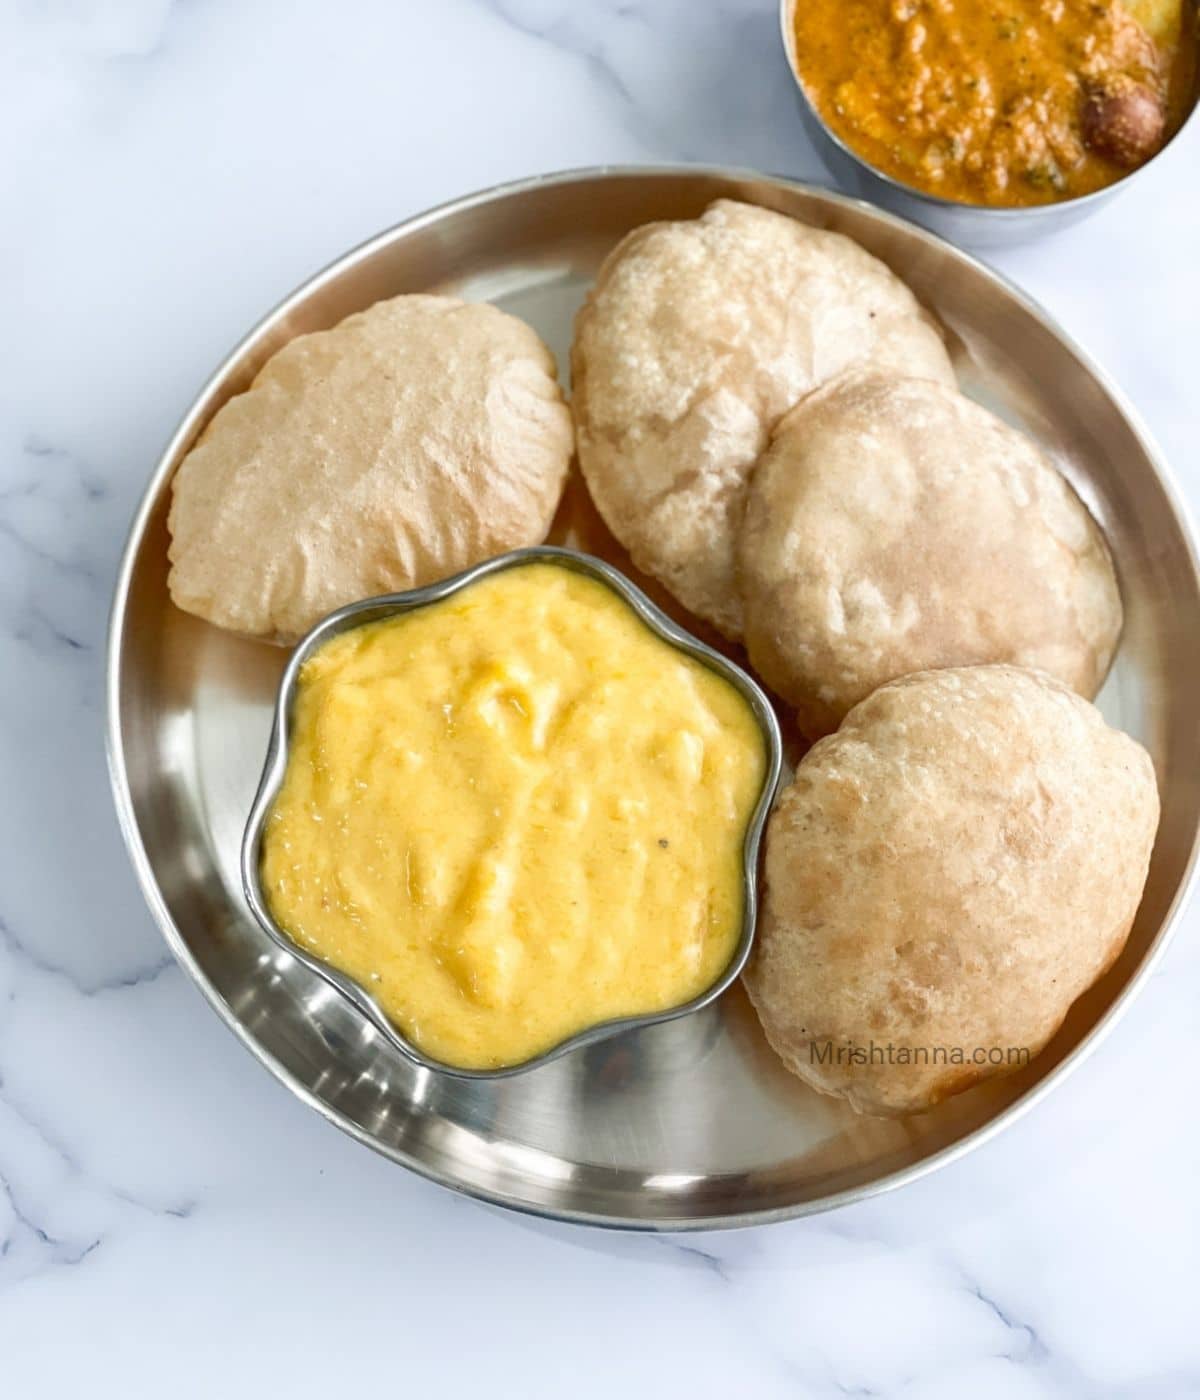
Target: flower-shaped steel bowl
{"points": [[391, 605]]}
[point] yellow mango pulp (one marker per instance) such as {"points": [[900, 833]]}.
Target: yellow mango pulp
{"points": [[514, 814]]}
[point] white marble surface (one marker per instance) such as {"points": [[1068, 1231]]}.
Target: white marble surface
{"points": [[171, 1221]]}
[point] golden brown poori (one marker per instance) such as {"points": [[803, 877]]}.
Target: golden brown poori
{"points": [[944, 876], [894, 525], [696, 339], [411, 441]]}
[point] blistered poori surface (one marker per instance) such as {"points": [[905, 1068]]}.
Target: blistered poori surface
{"points": [[696, 339], [947, 873], [895, 525], [411, 441]]}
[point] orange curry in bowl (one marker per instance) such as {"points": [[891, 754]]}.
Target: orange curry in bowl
{"points": [[999, 102]]}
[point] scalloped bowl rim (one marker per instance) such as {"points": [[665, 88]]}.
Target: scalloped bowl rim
{"points": [[366, 610]]}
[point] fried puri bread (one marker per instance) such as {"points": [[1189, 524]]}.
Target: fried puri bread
{"points": [[696, 339], [893, 526], [412, 440], [944, 876]]}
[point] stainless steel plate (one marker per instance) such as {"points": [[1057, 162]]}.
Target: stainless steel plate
{"points": [[692, 1124]]}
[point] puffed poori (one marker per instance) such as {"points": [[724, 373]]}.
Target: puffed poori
{"points": [[944, 876], [696, 339], [893, 526], [411, 441]]}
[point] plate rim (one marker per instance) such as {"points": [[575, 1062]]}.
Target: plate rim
{"points": [[144, 871]]}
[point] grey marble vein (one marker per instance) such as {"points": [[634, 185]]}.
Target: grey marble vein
{"points": [[120, 981]]}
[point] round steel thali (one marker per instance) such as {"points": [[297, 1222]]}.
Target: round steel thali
{"points": [[691, 1124]]}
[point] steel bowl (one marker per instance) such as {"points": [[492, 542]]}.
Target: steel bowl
{"points": [[975, 225], [392, 605], [693, 1124]]}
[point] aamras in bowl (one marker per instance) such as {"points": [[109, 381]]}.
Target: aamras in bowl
{"points": [[992, 122], [513, 812]]}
